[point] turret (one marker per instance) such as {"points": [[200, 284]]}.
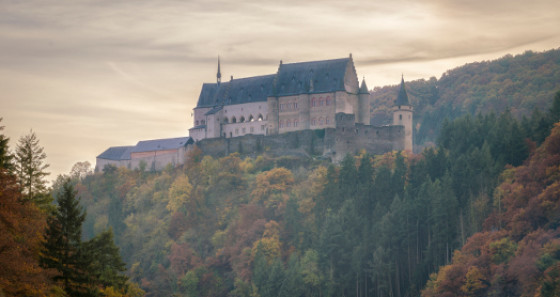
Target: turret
{"points": [[363, 104], [402, 116], [219, 74]]}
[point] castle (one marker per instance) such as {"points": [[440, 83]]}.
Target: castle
{"points": [[299, 97]]}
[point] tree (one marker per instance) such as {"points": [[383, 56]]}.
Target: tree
{"points": [[21, 223], [62, 249], [30, 166], [105, 265], [5, 156], [80, 170]]}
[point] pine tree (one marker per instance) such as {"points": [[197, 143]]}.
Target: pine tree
{"points": [[105, 265], [5, 156], [30, 166], [62, 249]]}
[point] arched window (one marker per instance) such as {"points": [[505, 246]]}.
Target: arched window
{"points": [[233, 120], [242, 119], [328, 101], [260, 117], [321, 101], [251, 119], [226, 121]]}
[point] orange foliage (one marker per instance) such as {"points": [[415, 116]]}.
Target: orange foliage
{"points": [[22, 227], [527, 214]]}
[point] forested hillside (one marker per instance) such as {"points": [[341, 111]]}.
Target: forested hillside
{"points": [[371, 226], [518, 252], [519, 83]]}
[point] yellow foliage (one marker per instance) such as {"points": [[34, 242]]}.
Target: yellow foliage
{"points": [[474, 282], [179, 193], [275, 181]]}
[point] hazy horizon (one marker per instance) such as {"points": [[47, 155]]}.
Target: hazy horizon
{"points": [[87, 75]]}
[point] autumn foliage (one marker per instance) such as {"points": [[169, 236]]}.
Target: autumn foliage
{"points": [[518, 252]]}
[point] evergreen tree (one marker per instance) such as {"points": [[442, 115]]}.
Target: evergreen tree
{"points": [[30, 166], [62, 249], [5, 156], [105, 265]]}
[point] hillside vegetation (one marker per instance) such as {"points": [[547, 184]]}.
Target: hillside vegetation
{"points": [[519, 83], [371, 226]]}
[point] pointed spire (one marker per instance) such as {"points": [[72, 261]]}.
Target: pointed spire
{"points": [[219, 74], [402, 99], [363, 87]]}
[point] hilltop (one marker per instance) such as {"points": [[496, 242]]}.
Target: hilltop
{"points": [[520, 83]]}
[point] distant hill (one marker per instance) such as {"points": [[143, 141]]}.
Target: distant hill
{"points": [[519, 83]]}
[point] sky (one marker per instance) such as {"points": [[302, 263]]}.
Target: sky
{"points": [[87, 75]]}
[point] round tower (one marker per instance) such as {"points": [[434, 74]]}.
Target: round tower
{"points": [[363, 104], [402, 116]]}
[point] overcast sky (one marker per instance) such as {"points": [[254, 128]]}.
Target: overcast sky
{"points": [[86, 75]]}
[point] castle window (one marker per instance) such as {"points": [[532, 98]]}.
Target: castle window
{"points": [[321, 121], [203, 122], [252, 129], [296, 105], [288, 123], [230, 135], [313, 122], [242, 119], [226, 120], [196, 123], [262, 127], [295, 123], [321, 102], [236, 131], [281, 124], [313, 102], [400, 117], [224, 134], [328, 101], [328, 120], [260, 117], [251, 119], [243, 130], [234, 120]]}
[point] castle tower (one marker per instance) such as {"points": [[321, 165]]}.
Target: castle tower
{"points": [[219, 74], [402, 116], [363, 104]]}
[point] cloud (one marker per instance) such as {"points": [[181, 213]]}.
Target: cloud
{"points": [[133, 69]]}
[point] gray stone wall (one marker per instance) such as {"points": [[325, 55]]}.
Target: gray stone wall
{"points": [[334, 143]]}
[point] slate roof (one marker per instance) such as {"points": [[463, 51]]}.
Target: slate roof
{"points": [[363, 87], [290, 79], [310, 77], [116, 153], [214, 110], [236, 91], [402, 99], [161, 144]]}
